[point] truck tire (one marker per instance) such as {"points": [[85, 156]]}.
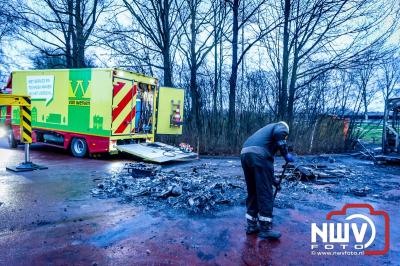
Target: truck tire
{"points": [[12, 142], [79, 147]]}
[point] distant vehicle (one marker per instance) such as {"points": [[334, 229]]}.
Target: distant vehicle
{"points": [[93, 111]]}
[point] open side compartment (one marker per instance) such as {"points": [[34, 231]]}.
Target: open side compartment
{"points": [[133, 107], [145, 108]]}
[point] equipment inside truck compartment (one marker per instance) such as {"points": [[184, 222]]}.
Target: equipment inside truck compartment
{"points": [[144, 108]]}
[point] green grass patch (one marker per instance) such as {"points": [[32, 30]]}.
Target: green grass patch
{"points": [[370, 132]]}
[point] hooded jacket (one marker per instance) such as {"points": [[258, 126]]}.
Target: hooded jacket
{"points": [[268, 140]]}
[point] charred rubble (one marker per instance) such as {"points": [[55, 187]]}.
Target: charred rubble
{"points": [[203, 187]]}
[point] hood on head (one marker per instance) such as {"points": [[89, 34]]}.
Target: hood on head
{"points": [[284, 124]]}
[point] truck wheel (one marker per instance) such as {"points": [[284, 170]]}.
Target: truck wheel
{"points": [[12, 142], [79, 147]]}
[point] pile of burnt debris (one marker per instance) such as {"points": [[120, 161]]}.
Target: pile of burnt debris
{"points": [[204, 186], [199, 189], [375, 154], [320, 170], [343, 176]]}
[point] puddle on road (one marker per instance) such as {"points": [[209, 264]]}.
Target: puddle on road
{"points": [[122, 230]]}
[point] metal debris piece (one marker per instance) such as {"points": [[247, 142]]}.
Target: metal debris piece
{"points": [[191, 202], [312, 172], [336, 190], [326, 182], [323, 158], [304, 172], [141, 169], [360, 192], [387, 159], [171, 191], [323, 175], [367, 151]]}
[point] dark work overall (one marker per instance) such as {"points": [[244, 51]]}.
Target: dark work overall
{"points": [[257, 157], [259, 174]]}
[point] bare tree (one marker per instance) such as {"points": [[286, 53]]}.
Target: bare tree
{"points": [[154, 29], [219, 28], [365, 74], [60, 27], [340, 93], [7, 31], [390, 77], [258, 23], [199, 38], [318, 36], [6, 22]]}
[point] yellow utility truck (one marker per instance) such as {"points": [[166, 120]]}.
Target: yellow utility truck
{"points": [[91, 111]]}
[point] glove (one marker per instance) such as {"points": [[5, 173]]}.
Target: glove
{"points": [[289, 158]]}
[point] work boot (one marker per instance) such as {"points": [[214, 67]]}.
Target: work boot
{"points": [[266, 231], [252, 225]]}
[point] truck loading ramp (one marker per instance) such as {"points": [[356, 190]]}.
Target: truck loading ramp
{"points": [[156, 152]]}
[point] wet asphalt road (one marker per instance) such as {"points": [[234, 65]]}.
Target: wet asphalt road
{"points": [[48, 217]]}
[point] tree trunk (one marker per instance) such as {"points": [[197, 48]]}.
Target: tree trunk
{"points": [[70, 28], [77, 49], [234, 68], [215, 91], [232, 96], [365, 101], [168, 80], [221, 63], [283, 92], [193, 70], [292, 89], [167, 66], [195, 99], [81, 55]]}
